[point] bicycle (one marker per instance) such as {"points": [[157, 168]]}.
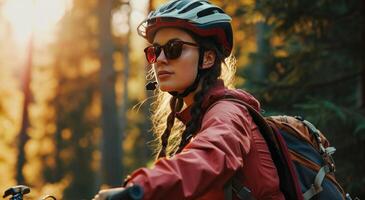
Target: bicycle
{"points": [[134, 192]]}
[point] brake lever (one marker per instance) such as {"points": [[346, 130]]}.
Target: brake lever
{"points": [[17, 192]]}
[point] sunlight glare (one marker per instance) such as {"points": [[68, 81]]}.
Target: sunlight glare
{"points": [[34, 16], [19, 14]]}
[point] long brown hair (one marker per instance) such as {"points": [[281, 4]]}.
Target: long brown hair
{"points": [[171, 135]]}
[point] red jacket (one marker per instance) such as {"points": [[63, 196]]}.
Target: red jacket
{"points": [[228, 141]]}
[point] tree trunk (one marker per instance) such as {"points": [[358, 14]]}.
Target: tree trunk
{"points": [[23, 135], [124, 104], [111, 139], [263, 49]]}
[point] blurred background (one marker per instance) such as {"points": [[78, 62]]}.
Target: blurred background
{"points": [[74, 114]]}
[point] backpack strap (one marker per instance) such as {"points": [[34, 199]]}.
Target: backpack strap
{"points": [[228, 188], [316, 186], [234, 184], [278, 150], [242, 192]]}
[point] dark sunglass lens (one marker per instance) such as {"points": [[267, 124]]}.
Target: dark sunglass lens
{"points": [[173, 49]]}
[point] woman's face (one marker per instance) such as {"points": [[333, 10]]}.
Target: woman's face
{"points": [[176, 74]]}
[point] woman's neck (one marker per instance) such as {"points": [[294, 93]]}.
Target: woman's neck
{"points": [[189, 100]]}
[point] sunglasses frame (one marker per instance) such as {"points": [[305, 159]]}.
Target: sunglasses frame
{"points": [[168, 50]]}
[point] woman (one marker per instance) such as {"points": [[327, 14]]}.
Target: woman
{"points": [[217, 138]]}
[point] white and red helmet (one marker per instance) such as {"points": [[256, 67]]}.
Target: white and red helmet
{"points": [[198, 16]]}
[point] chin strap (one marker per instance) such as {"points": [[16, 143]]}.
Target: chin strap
{"points": [[153, 84]]}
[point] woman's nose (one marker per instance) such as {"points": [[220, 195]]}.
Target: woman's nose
{"points": [[161, 57]]}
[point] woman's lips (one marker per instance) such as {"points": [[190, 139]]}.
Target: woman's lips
{"points": [[164, 74]]}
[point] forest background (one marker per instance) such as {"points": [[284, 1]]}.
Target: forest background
{"points": [[74, 114]]}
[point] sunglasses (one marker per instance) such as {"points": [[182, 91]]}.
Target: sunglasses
{"points": [[172, 50]]}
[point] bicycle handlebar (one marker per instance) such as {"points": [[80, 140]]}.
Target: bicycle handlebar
{"points": [[134, 192]]}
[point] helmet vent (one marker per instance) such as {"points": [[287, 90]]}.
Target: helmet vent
{"points": [[209, 11], [168, 8], [190, 7]]}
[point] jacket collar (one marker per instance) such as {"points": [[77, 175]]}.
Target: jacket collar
{"points": [[185, 115], [214, 94]]}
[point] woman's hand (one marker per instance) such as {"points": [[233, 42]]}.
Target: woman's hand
{"points": [[103, 194]]}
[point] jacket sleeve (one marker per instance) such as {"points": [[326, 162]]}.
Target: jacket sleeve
{"points": [[212, 157]]}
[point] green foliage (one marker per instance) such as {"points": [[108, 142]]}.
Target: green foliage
{"points": [[309, 62]]}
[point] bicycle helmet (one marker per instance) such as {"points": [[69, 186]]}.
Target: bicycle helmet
{"points": [[198, 16]]}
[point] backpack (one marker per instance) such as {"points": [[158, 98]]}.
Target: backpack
{"points": [[302, 156]]}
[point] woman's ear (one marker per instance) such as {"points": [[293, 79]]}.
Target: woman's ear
{"points": [[209, 58]]}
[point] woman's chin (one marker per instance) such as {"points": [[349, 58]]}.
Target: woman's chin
{"points": [[166, 88]]}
